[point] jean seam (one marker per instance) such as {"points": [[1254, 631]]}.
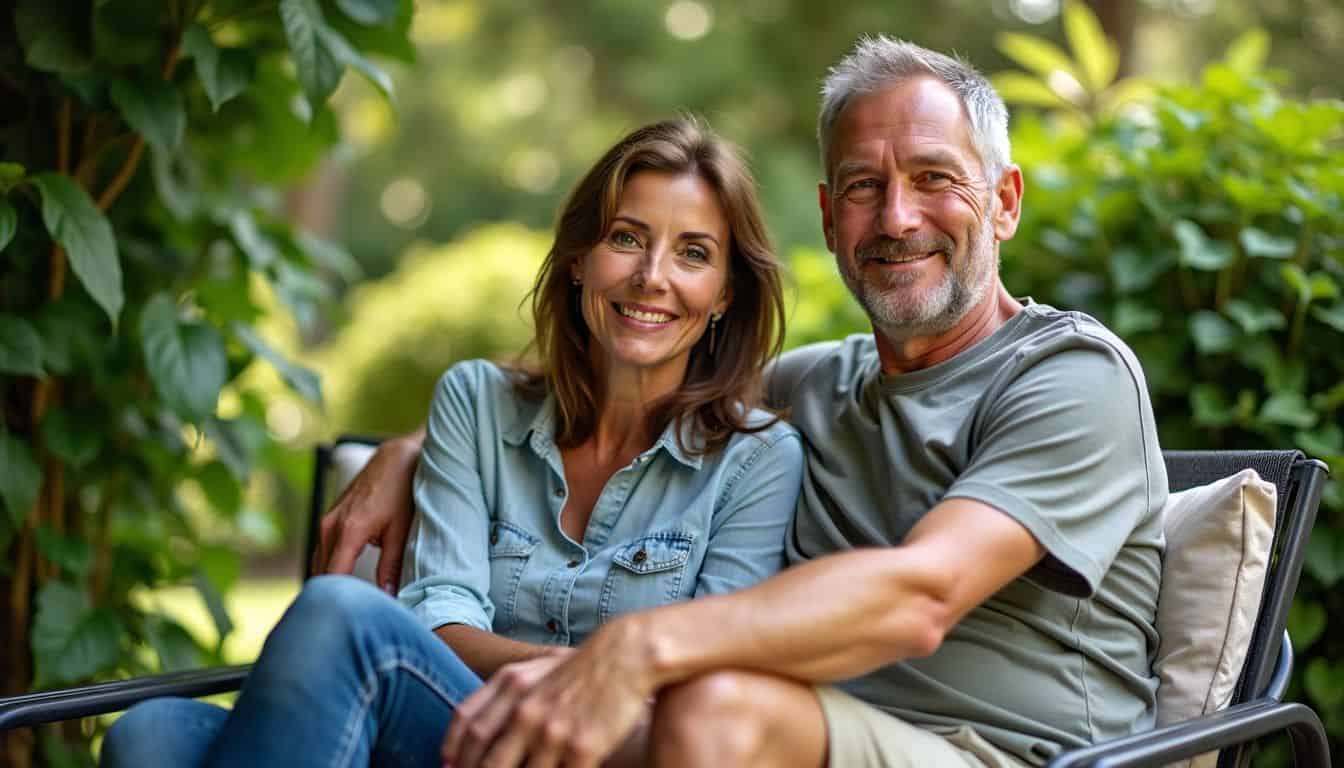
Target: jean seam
{"points": [[370, 690]]}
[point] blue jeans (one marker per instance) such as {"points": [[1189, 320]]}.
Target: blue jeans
{"points": [[347, 678]]}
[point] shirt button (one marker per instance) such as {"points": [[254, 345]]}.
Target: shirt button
{"points": [[573, 563], [640, 556], [551, 626], [559, 493]]}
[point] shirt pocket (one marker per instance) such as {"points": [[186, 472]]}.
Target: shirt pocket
{"points": [[645, 573], [510, 548]]}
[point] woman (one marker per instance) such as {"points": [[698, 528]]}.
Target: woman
{"points": [[633, 469]]}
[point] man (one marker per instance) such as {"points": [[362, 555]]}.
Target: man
{"points": [[976, 552]]}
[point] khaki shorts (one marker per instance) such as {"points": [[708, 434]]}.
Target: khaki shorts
{"points": [[863, 736]]}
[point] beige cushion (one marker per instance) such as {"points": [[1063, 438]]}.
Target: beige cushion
{"points": [[1218, 543]]}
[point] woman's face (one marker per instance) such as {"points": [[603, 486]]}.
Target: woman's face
{"points": [[659, 272]]}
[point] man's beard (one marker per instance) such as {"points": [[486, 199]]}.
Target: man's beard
{"points": [[899, 312]]}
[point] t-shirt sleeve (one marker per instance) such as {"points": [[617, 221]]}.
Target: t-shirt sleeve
{"points": [[446, 570], [1065, 449]]}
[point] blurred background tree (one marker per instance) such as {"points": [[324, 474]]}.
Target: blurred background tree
{"points": [[443, 197]]}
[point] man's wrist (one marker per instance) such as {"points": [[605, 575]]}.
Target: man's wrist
{"points": [[652, 646]]}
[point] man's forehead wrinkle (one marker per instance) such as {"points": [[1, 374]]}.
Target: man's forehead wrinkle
{"points": [[924, 113]]}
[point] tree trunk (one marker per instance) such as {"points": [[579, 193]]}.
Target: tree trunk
{"points": [[1118, 20]]}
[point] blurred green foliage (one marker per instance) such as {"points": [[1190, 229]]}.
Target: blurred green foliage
{"points": [[1206, 228], [139, 143]]}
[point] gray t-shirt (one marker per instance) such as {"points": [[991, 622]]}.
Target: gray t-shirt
{"points": [[1047, 420]]}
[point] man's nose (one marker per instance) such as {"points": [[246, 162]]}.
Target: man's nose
{"points": [[901, 212]]}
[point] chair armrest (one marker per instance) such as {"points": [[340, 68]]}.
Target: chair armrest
{"points": [[101, 698], [1235, 725]]}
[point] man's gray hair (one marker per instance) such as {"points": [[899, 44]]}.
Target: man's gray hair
{"points": [[878, 63]]}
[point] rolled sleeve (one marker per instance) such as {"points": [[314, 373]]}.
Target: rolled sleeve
{"points": [[446, 572], [746, 538]]}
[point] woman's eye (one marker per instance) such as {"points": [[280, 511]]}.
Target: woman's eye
{"points": [[697, 253], [624, 239]]}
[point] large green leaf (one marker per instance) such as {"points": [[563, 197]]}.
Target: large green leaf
{"points": [[1246, 55], [1325, 683], [153, 108], [1020, 88], [85, 234], [261, 252], [1254, 319], [369, 12], [1333, 317], [1094, 51], [1198, 251], [1289, 409], [221, 488], [318, 67], [1212, 333], [176, 648], [73, 333], [346, 54], [1306, 622], [69, 438], [9, 223], [56, 35], [186, 360], [1135, 270], [1325, 555], [1040, 56], [10, 175], [71, 553], [20, 347], [303, 380], [1258, 242], [20, 477], [224, 72], [71, 640]]}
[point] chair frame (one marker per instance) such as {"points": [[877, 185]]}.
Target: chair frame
{"points": [[1256, 709]]}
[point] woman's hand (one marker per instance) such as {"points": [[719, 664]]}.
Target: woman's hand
{"points": [[573, 711], [376, 508]]}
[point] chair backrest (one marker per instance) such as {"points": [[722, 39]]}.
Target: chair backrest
{"points": [[1298, 482]]}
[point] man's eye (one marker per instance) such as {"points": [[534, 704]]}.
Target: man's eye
{"points": [[863, 190], [936, 178]]}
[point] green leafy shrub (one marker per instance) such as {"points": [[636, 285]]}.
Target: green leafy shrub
{"points": [[137, 140], [1206, 227], [442, 304]]}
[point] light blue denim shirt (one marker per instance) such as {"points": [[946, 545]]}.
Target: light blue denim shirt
{"points": [[486, 548]]}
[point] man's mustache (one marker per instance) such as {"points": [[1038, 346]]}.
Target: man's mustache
{"points": [[896, 247]]}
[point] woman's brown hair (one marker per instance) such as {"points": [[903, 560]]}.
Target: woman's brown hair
{"points": [[719, 389]]}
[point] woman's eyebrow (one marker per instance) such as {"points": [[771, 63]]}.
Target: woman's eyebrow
{"points": [[632, 221], [701, 236]]}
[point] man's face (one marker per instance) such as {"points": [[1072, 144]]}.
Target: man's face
{"points": [[908, 212]]}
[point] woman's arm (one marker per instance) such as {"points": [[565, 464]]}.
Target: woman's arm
{"points": [[376, 509], [486, 652]]}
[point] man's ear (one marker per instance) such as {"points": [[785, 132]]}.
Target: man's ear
{"points": [[1008, 212], [827, 217]]}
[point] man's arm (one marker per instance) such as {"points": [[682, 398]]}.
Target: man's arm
{"points": [[842, 615], [376, 509], [833, 618]]}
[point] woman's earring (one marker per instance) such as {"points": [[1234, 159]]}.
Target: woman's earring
{"points": [[575, 280], [713, 329]]}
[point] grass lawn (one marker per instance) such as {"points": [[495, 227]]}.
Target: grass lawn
{"points": [[254, 605]]}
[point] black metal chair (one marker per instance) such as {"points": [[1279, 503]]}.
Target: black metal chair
{"points": [[1256, 709]]}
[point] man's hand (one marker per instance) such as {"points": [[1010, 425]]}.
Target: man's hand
{"points": [[573, 711], [376, 508]]}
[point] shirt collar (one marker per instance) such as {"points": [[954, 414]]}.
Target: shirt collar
{"points": [[540, 425]]}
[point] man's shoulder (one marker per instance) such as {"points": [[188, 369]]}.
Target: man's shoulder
{"points": [[1078, 335], [823, 364]]}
